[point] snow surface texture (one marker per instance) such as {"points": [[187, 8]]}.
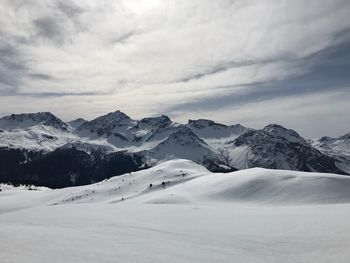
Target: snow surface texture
{"points": [[180, 212]]}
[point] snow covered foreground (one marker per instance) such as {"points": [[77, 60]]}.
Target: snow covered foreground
{"points": [[187, 215]]}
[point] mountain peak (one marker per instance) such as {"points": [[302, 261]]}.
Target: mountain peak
{"points": [[104, 125], [24, 120], [274, 126], [118, 115], [112, 117], [280, 131], [203, 123], [279, 148], [156, 120]]}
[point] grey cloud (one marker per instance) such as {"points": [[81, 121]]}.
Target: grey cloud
{"points": [[341, 36], [69, 8], [123, 38], [40, 76], [57, 94], [192, 46], [329, 70], [12, 68], [225, 66], [49, 28]]}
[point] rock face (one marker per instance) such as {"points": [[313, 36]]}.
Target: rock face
{"points": [[39, 148]]}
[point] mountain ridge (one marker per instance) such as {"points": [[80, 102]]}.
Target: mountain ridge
{"points": [[153, 140]]}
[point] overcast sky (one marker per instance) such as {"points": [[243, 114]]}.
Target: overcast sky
{"points": [[252, 62]]}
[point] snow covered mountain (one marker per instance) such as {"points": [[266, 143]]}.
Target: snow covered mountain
{"points": [[30, 142], [40, 131], [337, 148], [27, 120], [124, 133], [276, 147], [114, 123], [182, 143]]}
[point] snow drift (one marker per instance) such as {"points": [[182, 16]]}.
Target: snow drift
{"points": [[178, 211]]}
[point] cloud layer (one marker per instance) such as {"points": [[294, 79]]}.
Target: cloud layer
{"points": [[250, 61]]}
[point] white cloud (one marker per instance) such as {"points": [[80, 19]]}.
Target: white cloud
{"points": [[152, 54]]}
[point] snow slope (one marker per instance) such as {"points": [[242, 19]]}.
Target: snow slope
{"points": [[183, 181], [180, 212]]}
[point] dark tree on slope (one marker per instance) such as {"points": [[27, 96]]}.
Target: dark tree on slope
{"points": [[216, 166], [64, 167], [225, 157]]}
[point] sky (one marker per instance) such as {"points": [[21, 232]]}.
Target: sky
{"points": [[252, 62]]}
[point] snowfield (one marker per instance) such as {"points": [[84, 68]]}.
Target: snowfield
{"points": [[178, 211]]}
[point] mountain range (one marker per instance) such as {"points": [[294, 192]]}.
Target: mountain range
{"points": [[41, 149]]}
